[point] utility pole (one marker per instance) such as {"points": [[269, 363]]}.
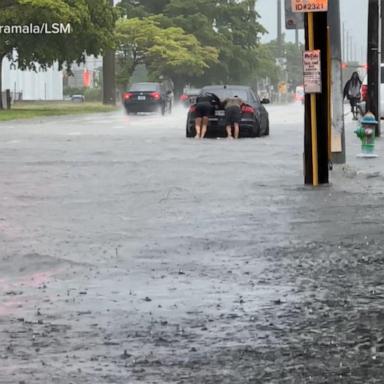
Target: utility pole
{"points": [[344, 48], [317, 118], [279, 28], [338, 132], [316, 138], [373, 60], [382, 31], [317, 85], [347, 45], [109, 77]]}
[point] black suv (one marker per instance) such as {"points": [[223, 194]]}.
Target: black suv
{"points": [[148, 97]]}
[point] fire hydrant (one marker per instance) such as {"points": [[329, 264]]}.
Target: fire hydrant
{"points": [[366, 133]]}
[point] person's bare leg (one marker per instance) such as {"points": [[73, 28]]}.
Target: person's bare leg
{"points": [[229, 131], [204, 127], [198, 127], [237, 130]]}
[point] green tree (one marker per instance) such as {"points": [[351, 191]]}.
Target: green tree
{"points": [[293, 54], [92, 24], [230, 26], [164, 51]]}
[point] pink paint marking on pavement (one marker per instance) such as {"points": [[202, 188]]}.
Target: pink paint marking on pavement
{"points": [[14, 291]]}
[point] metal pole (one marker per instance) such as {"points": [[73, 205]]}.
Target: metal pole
{"points": [[109, 79], [373, 55], [337, 110], [279, 28], [347, 45], [344, 49], [382, 30]]}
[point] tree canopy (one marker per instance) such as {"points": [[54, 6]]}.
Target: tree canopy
{"points": [[164, 51], [293, 55], [231, 27], [92, 26]]}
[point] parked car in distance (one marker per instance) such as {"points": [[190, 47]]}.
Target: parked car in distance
{"points": [[148, 97], [189, 96], [254, 117], [77, 98]]}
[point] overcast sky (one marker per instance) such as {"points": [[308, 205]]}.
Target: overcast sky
{"points": [[354, 15]]}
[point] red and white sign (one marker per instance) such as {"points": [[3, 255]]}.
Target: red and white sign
{"points": [[309, 5], [312, 71], [86, 78]]}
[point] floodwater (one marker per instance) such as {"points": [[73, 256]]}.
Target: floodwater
{"points": [[130, 254]]}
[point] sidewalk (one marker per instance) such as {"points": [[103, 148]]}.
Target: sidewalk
{"points": [[353, 147]]}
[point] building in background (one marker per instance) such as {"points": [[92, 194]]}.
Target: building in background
{"points": [[31, 85]]}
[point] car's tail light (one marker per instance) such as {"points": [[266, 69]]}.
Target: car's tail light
{"points": [[247, 109], [364, 92], [127, 95], [155, 95], [184, 97], [192, 108]]}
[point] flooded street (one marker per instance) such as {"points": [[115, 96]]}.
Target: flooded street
{"points": [[130, 254]]}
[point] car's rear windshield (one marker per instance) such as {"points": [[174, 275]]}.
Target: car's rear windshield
{"points": [[223, 94], [144, 87], [191, 91]]}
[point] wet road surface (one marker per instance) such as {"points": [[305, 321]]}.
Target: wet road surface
{"points": [[130, 254]]}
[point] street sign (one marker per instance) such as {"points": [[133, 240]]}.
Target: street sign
{"points": [[293, 20], [309, 5], [312, 71]]}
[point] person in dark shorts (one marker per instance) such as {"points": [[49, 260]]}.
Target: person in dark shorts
{"points": [[232, 108], [205, 106]]}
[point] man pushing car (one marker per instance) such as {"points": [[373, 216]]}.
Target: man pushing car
{"points": [[232, 106]]}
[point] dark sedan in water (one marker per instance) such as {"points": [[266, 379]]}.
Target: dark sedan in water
{"points": [[148, 97], [254, 117]]}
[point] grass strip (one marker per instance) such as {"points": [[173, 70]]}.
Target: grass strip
{"points": [[30, 110]]}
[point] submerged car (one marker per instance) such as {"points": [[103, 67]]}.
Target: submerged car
{"points": [[148, 97], [254, 117]]}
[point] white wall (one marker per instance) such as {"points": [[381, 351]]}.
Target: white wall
{"points": [[40, 85]]}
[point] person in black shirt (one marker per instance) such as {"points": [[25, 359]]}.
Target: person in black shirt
{"points": [[352, 91], [205, 106]]}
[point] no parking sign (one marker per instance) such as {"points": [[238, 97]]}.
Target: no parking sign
{"points": [[312, 71]]}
